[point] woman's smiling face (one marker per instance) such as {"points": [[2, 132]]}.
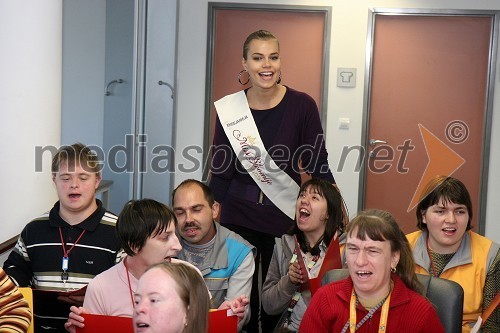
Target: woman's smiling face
{"points": [[263, 63], [311, 211]]}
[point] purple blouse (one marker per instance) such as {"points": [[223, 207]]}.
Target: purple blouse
{"points": [[291, 132]]}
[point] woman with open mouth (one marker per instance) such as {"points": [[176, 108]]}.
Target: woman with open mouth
{"points": [[446, 247], [381, 293], [319, 219]]}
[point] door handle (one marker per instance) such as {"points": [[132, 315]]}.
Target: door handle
{"points": [[168, 85], [106, 90], [374, 142]]}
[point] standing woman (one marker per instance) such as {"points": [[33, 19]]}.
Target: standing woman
{"points": [[262, 136], [318, 220]]}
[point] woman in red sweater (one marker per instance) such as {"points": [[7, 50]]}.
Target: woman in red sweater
{"points": [[381, 292]]}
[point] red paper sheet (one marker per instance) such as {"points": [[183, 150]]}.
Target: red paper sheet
{"points": [[109, 324], [219, 321], [302, 265], [332, 261]]}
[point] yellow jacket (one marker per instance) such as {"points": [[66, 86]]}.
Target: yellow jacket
{"points": [[468, 267]]}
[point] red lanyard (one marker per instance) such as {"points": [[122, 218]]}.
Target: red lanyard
{"points": [[67, 252], [65, 258], [129, 285]]}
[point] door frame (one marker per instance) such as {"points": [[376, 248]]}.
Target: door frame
{"points": [[495, 15], [213, 8]]}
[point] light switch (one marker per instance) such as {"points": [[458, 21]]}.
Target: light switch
{"points": [[346, 77], [344, 123]]}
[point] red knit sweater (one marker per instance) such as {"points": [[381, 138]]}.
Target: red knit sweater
{"points": [[409, 312]]}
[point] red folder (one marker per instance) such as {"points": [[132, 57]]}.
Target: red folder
{"points": [[220, 321], [331, 261], [109, 324], [302, 265]]}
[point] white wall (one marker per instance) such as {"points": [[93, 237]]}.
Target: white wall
{"points": [[348, 44], [83, 71], [30, 104]]}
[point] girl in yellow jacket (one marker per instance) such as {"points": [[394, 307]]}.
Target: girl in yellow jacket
{"points": [[446, 247]]}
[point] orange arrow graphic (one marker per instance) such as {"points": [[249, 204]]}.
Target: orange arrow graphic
{"points": [[442, 161]]}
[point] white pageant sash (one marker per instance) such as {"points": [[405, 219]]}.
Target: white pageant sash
{"points": [[239, 125]]}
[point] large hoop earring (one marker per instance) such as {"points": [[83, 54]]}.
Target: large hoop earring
{"points": [[279, 79], [239, 77]]}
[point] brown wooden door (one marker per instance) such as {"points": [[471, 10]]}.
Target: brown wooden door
{"points": [[297, 28], [428, 97]]}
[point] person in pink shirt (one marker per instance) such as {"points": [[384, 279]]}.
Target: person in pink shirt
{"points": [[146, 229]]}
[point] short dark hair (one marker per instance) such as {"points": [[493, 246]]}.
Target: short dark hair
{"points": [[140, 220], [74, 154], [447, 189], [207, 192]]}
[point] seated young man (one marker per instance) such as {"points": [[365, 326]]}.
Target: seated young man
{"points": [[146, 229], [66, 247]]}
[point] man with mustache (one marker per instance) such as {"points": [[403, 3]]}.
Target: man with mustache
{"points": [[224, 258], [147, 232]]}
